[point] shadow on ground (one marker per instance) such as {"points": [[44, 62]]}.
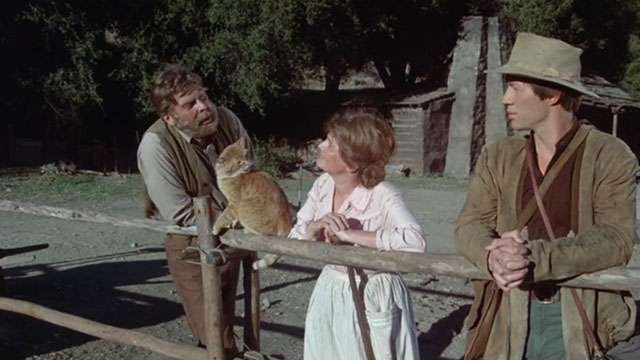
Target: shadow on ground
{"points": [[638, 318], [434, 342], [83, 288]]}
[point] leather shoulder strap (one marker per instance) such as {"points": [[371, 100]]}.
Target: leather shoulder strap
{"points": [[550, 177]]}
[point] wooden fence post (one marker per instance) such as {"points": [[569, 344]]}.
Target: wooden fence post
{"points": [[251, 284], [3, 291], [210, 279]]}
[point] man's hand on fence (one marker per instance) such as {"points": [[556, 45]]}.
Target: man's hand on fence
{"points": [[507, 260]]}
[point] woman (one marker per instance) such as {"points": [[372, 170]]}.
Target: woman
{"points": [[352, 204]]}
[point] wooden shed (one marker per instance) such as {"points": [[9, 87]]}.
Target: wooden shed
{"points": [[421, 128], [614, 112]]}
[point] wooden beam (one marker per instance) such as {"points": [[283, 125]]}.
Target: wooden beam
{"points": [[107, 332], [94, 217], [621, 278]]}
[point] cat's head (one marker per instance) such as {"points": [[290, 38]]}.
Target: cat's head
{"points": [[234, 160]]}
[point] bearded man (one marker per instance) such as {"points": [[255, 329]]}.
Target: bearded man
{"points": [[176, 158]]}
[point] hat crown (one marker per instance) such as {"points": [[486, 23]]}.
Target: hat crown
{"points": [[546, 59], [552, 57]]}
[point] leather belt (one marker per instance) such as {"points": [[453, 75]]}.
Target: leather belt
{"points": [[545, 293]]}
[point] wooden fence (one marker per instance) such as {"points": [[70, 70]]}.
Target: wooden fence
{"points": [[623, 278]]}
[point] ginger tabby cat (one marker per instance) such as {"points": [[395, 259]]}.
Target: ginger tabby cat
{"points": [[255, 200]]}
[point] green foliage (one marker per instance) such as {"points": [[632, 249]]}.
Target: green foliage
{"points": [[247, 54], [405, 39], [409, 39], [600, 28], [276, 158], [67, 81], [333, 35], [88, 64], [631, 80]]}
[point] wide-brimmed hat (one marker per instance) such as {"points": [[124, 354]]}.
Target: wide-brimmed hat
{"points": [[545, 59]]}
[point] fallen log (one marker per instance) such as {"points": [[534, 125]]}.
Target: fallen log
{"points": [[621, 278]]}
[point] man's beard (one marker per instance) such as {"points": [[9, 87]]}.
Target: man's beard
{"points": [[199, 131]]}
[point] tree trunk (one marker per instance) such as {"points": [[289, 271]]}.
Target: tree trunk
{"points": [[394, 76], [332, 76], [383, 72]]}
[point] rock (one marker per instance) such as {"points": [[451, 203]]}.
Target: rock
{"points": [[266, 303]]}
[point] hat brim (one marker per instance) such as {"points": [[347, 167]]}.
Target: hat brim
{"points": [[509, 70]]}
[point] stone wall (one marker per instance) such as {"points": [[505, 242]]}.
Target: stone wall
{"points": [[477, 115]]}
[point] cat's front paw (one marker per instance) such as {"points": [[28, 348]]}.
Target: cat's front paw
{"points": [[267, 261], [218, 229]]}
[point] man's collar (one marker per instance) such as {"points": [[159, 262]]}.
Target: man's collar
{"points": [[566, 139], [195, 141], [184, 135], [562, 143]]}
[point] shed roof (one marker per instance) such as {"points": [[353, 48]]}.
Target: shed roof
{"points": [[611, 96]]}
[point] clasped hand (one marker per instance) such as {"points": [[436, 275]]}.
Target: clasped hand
{"points": [[508, 260], [333, 227]]}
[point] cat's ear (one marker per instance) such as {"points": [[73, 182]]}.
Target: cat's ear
{"points": [[243, 142]]}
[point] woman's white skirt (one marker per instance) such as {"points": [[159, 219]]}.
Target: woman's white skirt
{"points": [[331, 327]]}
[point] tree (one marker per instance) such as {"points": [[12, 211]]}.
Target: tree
{"points": [[246, 53], [405, 39], [600, 28], [82, 69], [332, 33], [408, 39], [631, 80]]}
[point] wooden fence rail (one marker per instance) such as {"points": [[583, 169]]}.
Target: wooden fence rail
{"points": [[112, 333], [209, 262], [622, 278]]}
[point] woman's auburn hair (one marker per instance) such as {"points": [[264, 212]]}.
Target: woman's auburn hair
{"points": [[366, 142]]}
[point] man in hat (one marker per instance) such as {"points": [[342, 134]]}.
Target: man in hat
{"points": [[586, 179], [176, 158]]}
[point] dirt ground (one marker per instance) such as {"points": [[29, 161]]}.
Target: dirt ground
{"points": [[118, 276]]}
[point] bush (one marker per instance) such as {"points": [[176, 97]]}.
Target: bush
{"points": [[276, 157]]}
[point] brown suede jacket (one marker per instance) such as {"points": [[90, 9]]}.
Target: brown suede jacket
{"points": [[605, 239]]}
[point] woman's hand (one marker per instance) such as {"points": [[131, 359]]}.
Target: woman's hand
{"points": [[328, 226]]}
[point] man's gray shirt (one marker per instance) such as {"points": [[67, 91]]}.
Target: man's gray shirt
{"points": [[166, 189]]}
